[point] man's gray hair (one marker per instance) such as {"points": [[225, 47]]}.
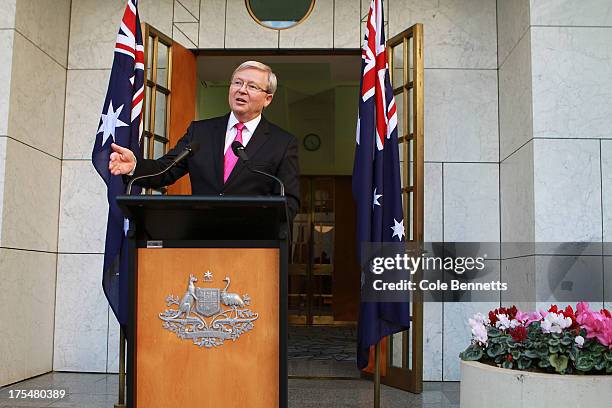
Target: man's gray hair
{"points": [[262, 67]]}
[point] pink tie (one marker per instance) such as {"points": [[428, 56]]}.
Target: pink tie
{"points": [[230, 158]]}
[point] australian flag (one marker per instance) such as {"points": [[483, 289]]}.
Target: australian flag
{"points": [[120, 123], [376, 179]]}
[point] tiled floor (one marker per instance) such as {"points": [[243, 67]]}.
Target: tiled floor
{"points": [[325, 368], [100, 391], [322, 351], [338, 343]]}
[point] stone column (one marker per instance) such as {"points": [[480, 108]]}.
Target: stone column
{"points": [[34, 49], [555, 126]]}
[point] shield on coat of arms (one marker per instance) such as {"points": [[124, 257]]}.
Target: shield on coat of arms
{"points": [[208, 301]]}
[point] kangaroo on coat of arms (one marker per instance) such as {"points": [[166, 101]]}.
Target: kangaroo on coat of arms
{"points": [[191, 323], [187, 302]]}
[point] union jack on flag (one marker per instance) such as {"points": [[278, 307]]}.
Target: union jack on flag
{"points": [[376, 179], [120, 123]]}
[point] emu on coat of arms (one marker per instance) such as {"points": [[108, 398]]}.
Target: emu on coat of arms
{"points": [[229, 317]]}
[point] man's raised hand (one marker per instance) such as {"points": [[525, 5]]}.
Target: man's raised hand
{"points": [[122, 160]]}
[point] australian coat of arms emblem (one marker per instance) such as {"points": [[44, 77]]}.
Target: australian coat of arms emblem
{"points": [[208, 316]]}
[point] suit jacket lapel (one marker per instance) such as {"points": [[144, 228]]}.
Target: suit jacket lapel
{"points": [[218, 144], [259, 138]]}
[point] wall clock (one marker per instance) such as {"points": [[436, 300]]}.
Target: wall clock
{"points": [[312, 142]]}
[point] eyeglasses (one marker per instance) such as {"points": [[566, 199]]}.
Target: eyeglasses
{"points": [[251, 87]]}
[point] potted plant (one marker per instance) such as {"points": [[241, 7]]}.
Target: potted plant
{"points": [[557, 358]]}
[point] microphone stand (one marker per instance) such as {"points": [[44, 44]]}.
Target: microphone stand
{"points": [[189, 149], [238, 150]]}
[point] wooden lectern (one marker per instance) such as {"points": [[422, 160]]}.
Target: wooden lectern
{"points": [[208, 301]]}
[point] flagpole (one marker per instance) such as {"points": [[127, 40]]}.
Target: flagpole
{"points": [[121, 402], [377, 376]]}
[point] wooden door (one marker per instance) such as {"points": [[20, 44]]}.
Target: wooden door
{"points": [[404, 357], [169, 102], [182, 104]]}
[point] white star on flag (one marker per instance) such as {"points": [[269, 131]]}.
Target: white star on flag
{"points": [[375, 200], [110, 121], [398, 229], [207, 276]]}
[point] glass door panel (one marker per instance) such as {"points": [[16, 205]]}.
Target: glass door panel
{"points": [[312, 256]]}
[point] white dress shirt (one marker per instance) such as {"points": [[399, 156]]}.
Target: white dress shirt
{"points": [[247, 131]]}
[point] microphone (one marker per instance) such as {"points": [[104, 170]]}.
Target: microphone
{"points": [[239, 151], [187, 151]]}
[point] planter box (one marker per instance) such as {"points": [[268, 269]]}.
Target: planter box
{"points": [[484, 386]]}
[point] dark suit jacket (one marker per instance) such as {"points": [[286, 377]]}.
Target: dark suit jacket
{"points": [[271, 149]]}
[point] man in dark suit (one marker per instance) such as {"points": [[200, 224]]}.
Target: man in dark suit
{"points": [[214, 169]]}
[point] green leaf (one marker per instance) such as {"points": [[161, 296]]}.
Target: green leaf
{"points": [[495, 350], [543, 363], [472, 353], [553, 349], [496, 340], [507, 364], [558, 362], [573, 353], [494, 332], [566, 341], [553, 342], [608, 367], [608, 356], [516, 354], [524, 363], [584, 363], [530, 354]]}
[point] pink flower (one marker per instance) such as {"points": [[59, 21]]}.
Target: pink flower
{"points": [[479, 331], [528, 317], [596, 324]]}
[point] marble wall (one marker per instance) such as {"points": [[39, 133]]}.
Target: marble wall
{"points": [[332, 24], [33, 49], [554, 77], [461, 148], [83, 208], [510, 87], [517, 195]]}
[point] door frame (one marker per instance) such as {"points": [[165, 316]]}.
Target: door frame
{"points": [[408, 375]]}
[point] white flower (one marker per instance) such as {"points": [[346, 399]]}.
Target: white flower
{"points": [[480, 318], [547, 327], [555, 323], [514, 323], [579, 341], [479, 331], [504, 322]]}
